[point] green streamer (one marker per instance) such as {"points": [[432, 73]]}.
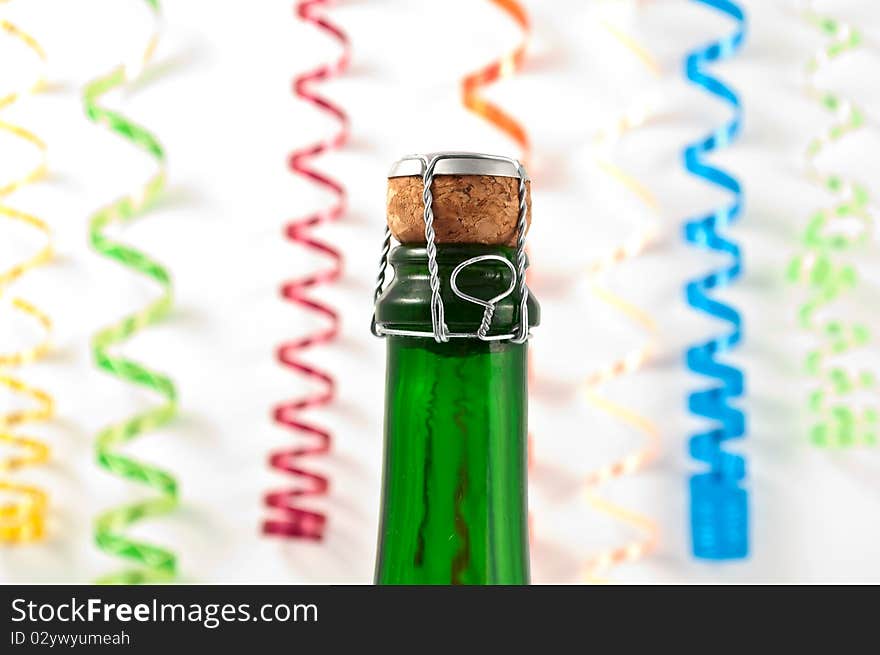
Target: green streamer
{"points": [[146, 563], [830, 235]]}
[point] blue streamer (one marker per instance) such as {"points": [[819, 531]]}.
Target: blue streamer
{"points": [[719, 509]]}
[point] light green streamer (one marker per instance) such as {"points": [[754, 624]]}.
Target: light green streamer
{"points": [[831, 234], [146, 562]]}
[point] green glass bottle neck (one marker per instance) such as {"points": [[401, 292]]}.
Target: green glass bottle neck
{"points": [[454, 487]]}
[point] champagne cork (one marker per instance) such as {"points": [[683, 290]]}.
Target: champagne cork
{"points": [[468, 208]]}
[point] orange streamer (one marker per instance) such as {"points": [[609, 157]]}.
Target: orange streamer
{"points": [[506, 67]]}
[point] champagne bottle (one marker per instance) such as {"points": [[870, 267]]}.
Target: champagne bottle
{"points": [[454, 505]]}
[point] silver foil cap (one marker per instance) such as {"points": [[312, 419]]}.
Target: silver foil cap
{"points": [[458, 163]]}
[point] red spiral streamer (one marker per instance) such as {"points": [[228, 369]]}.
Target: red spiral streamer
{"points": [[290, 519]]}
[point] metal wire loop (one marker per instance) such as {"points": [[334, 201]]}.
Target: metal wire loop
{"points": [[488, 305]]}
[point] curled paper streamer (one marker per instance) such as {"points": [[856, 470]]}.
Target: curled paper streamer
{"points": [[719, 510], [830, 234], [24, 507], [289, 518], [497, 70], [598, 564], [146, 563]]}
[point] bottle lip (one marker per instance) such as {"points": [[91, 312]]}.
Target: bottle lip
{"points": [[458, 163], [448, 254], [405, 306]]}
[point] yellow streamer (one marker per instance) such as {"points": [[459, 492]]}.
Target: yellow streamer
{"points": [[597, 566], [23, 507]]}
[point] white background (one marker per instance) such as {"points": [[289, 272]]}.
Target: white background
{"points": [[221, 104]]}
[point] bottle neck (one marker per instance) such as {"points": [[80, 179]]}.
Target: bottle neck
{"points": [[454, 489]]}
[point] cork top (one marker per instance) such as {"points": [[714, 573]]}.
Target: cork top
{"points": [[476, 198]]}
